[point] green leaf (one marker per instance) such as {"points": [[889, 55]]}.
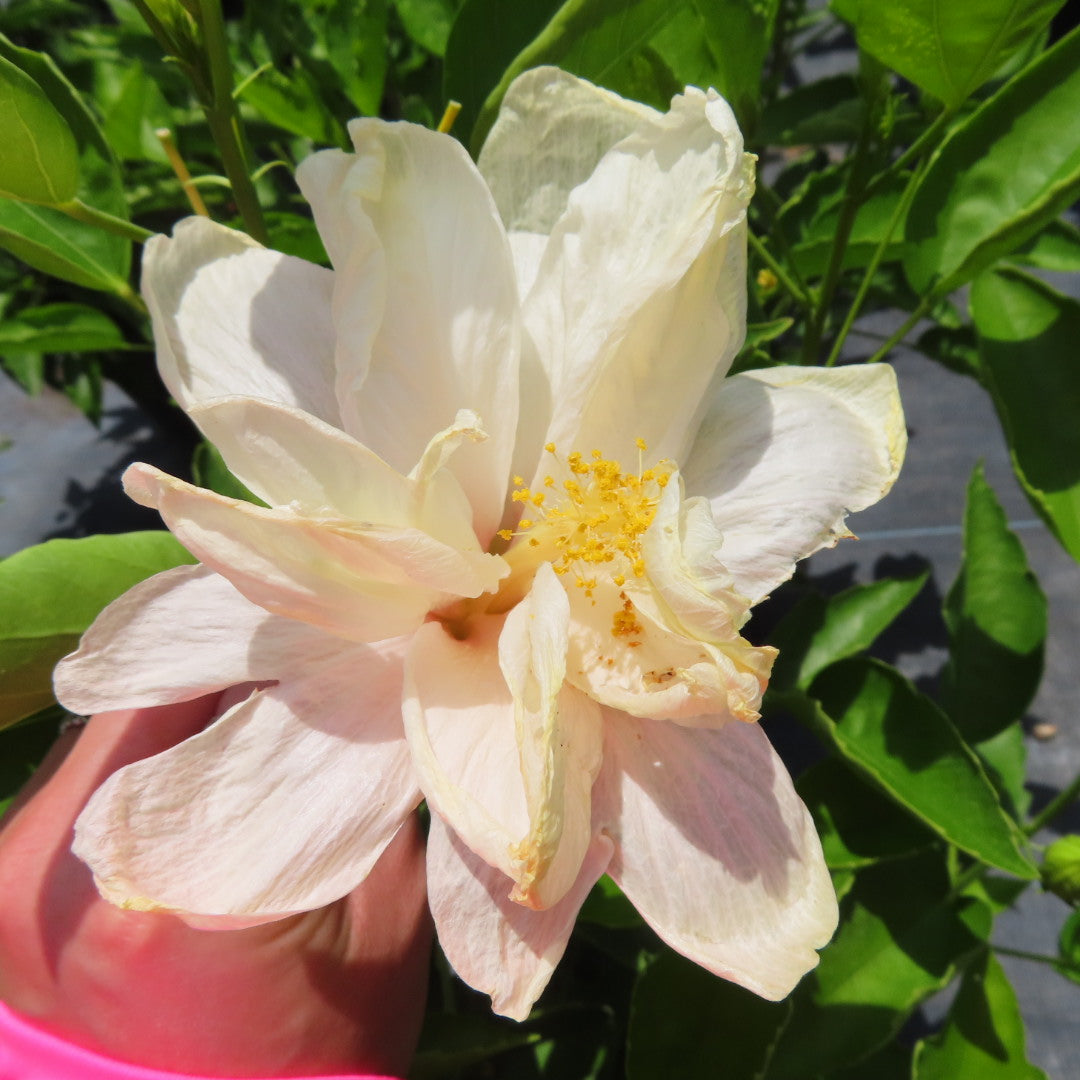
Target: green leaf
{"points": [[1002, 174], [722, 44], [858, 825], [996, 615], [451, 1042], [687, 1021], [818, 631], [292, 103], [1057, 247], [21, 751], [825, 111], [948, 48], [984, 1036], [607, 906], [60, 328], [484, 39], [910, 749], [1069, 947], [1004, 756], [39, 161], [590, 38], [900, 940], [47, 239], [49, 594], [427, 22], [210, 471], [1027, 345]]}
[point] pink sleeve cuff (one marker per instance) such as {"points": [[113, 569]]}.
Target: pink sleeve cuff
{"points": [[29, 1053]]}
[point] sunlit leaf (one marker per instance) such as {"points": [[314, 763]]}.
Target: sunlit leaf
{"points": [[49, 594], [948, 49], [984, 1035], [1005, 172], [1027, 344]]}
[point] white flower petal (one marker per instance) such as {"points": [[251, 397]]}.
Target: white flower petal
{"points": [[176, 636], [360, 582], [552, 130], [446, 333], [233, 318], [785, 454], [639, 299], [290, 459], [715, 849], [459, 720], [559, 743], [626, 654], [282, 805], [499, 947]]}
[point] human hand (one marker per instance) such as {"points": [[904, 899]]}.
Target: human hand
{"points": [[340, 989]]}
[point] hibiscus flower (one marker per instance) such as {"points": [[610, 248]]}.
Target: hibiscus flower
{"points": [[514, 519]]}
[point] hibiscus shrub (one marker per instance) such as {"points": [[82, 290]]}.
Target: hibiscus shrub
{"points": [[520, 369]]}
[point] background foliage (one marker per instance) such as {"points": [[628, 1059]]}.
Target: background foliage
{"points": [[931, 183]]}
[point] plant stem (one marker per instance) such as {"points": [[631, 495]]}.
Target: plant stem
{"points": [[223, 118], [928, 138], [782, 276], [1055, 806], [853, 199], [868, 277], [901, 332], [90, 215], [1038, 958]]}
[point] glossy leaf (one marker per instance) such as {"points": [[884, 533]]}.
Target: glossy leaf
{"points": [[730, 40], [900, 940], [1007, 170], [709, 1027], [984, 1035], [1069, 947], [47, 239], [1027, 345], [49, 594], [39, 162], [996, 615], [858, 825], [210, 471], [820, 631], [907, 746], [1057, 247], [590, 38], [948, 48], [60, 328]]}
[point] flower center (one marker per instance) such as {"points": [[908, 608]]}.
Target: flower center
{"points": [[593, 519]]}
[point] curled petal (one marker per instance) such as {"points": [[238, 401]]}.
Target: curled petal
{"points": [[639, 297], [282, 805], [499, 947], [715, 849], [232, 318], [362, 583], [443, 333], [785, 454], [177, 636]]}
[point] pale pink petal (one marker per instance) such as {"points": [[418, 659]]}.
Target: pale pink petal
{"points": [[715, 849], [627, 654], [511, 774], [639, 298], [499, 947], [282, 805], [176, 636], [559, 743], [363, 583], [233, 318], [459, 720], [444, 334], [785, 454]]}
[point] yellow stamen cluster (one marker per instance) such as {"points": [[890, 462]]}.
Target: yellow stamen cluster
{"points": [[601, 519]]}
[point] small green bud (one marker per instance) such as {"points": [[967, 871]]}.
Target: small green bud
{"points": [[1061, 869]]}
